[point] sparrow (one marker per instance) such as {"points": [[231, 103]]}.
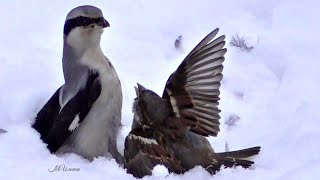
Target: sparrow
{"points": [[171, 130], [84, 115]]}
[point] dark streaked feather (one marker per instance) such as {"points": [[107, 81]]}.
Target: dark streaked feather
{"points": [[144, 149], [193, 89], [243, 153], [234, 158], [228, 162], [204, 42]]}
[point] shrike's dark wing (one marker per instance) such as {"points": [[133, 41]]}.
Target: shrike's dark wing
{"points": [[193, 89], [144, 149], [61, 124], [47, 115], [70, 117]]}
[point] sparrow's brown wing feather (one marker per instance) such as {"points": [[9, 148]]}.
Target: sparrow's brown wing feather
{"points": [[144, 150], [193, 89]]}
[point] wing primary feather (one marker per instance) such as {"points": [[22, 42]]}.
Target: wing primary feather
{"points": [[211, 55], [211, 62], [195, 84], [212, 46], [205, 41], [210, 70]]}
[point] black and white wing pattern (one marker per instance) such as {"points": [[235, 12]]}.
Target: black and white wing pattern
{"points": [[47, 115], [193, 89], [144, 149], [56, 125]]}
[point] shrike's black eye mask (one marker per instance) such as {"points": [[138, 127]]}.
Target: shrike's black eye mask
{"points": [[82, 21]]}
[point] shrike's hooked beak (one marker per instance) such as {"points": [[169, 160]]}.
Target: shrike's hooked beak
{"points": [[104, 23]]}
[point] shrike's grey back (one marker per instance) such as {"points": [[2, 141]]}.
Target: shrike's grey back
{"points": [[84, 115]]}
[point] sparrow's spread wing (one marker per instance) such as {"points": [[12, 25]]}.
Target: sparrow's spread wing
{"points": [[144, 150], [193, 89]]}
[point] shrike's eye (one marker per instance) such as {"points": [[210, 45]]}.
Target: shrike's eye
{"points": [[92, 25]]}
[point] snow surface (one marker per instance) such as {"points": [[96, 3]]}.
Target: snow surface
{"points": [[274, 89]]}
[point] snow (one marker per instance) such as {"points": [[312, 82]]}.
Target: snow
{"points": [[160, 172], [274, 89]]}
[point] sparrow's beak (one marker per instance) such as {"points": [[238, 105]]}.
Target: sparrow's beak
{"points": [[104, 23], [140, 87], [139, 90]]}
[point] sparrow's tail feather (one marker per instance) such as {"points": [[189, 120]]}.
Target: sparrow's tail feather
{"points": [[234, 158], [243, 153], [230, 162]]}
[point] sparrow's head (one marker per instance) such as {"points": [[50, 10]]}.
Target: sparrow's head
{"points": [[143, 107], [84, 26]]}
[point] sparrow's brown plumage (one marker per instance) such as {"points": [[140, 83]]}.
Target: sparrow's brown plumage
{"points": [[172, 129], [146, 148]]}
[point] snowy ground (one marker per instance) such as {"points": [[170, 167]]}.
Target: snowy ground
{"points": [[274, 89]]}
